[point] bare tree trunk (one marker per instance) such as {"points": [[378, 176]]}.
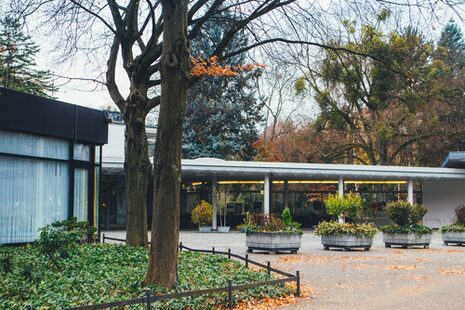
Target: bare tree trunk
{"points": [[175, 70], [137, 170]]}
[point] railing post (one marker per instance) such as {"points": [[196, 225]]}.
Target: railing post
{"points": [[230, 300], [149, 300], [268, 267], [103, 238], [229, 253], [297, 275], [213, 250], [180, 246], [246, 260]]}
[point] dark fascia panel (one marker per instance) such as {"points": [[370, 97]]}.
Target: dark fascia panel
{"points": [[454, 160], [36, 115]]}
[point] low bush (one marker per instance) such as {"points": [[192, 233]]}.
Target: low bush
{"points": [[406, 217], [260, 222], [460, 215], [57, 239], [248, 223], [456, 227], [338, 229], [406, 229], [202, 214], [97, 273], [403, 213], [348, 206], [286, 216]]}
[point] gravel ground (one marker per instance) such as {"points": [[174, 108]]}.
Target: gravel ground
{"points": [[381, 278]]}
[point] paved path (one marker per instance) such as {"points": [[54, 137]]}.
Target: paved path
{"points": [[381, 278]]}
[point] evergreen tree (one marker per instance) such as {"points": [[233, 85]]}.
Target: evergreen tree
{"points": [[451, 47], [17, 61], [222, 112]]}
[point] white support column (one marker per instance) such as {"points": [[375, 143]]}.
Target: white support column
{"points": [[215, 203], [340, 186], [340, 190], [267, 194], [410, 191]]}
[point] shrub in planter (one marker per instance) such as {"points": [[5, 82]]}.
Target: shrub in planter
{"points": [[345, 235], [271, 233], [455, 232], [202, 216], [407, 229], [248, 222]]}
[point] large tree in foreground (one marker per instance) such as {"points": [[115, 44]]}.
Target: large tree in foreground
{"points": [[18, 69], [149, 41]]}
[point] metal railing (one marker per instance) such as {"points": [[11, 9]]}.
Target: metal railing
{"points": [[229, 289]]}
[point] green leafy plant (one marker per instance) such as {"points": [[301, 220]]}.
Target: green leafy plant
{"points": [[458, 225], [261, 222], [286, 216], [406, 217], [347, 206], [248, 222], [118, 272], [59, 238], [6, 261], [453, 228], [403, 213], [338, 229], [406, 229], [202, 214]]}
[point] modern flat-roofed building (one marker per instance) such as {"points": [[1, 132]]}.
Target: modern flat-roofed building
{"points": [[271, 186], [50, 155]]}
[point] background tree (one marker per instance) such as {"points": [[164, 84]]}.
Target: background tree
{"points": [[450, 56], [222, 112], [378, 106], [18, 69]]}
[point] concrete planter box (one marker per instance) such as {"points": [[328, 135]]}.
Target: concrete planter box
{"points": [[205, 229], [453, 237], [223, 229], [273, 241], [346, 242], [406, 240]]}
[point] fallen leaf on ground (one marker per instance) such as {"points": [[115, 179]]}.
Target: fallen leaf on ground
{"points": [[451, 272], [402, 267], [268, 303]]}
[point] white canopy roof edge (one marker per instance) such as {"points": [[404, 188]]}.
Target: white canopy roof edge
{"points": [[207, 167], [204, 169]]}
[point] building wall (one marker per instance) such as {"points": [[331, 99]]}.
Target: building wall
{"points": [[113, 152], [441, 198]]}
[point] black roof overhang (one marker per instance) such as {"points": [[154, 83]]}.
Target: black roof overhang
{"points": [[37, 115]]}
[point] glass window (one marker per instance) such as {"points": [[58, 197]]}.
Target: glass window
{"points": [[33, 193], [97, 154], [81, 152], [81, 190], [32, 145]]}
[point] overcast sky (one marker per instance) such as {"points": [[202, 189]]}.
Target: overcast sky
{"points": [[94, 95]]}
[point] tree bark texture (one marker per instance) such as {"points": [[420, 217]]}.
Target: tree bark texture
{"points": [[175, 70], [137, 171]]}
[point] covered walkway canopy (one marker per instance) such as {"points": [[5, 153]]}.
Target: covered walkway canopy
{"points": [[204, 169], [445, 186]]}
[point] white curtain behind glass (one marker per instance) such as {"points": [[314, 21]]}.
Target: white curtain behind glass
{"points": [[25, 144], [33, 193], [81, 191]]}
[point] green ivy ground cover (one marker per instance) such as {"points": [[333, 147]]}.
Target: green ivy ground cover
{"points": [[95, 273]]}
